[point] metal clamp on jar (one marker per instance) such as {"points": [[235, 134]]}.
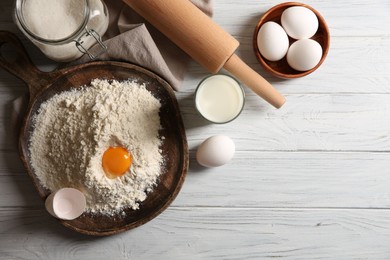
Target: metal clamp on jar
{"points": [[63, 29]]}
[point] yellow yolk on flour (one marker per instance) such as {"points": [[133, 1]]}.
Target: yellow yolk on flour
{"points": [[116, 161]]}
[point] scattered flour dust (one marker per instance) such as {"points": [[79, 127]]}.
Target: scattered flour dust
{"points": [[74, 128]]}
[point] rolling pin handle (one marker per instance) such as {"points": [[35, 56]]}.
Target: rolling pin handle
{"points": [[254, 81]]}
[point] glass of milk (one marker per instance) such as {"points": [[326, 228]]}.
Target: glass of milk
{"points": [[219, 98], [63, 29]]}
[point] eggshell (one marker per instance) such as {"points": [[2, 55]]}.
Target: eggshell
{"points": [[215, 151], [299, 22], [272, 41], [304, 54], [66, 203]]}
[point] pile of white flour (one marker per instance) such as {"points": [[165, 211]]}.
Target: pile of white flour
{"points": [[73, 129]]}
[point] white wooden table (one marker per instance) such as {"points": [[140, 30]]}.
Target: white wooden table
{"points": [[308, 181]]}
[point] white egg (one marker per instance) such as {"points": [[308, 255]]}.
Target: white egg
{"points": [[215, 151], [304, 54], [272, 41], [299, 22]]}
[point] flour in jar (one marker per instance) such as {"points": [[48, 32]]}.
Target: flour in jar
{"points": [[55, 26], [74, 128]]}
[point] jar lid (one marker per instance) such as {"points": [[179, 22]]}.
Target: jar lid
{"points": [[54, 22]]}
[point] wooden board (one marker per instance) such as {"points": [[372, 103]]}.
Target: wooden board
{"points": [[43, 86], [209, 233]]}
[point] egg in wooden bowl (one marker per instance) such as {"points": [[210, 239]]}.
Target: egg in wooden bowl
{"points": [[291, 40]]}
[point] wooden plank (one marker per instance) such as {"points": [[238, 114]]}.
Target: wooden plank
{"points": [[347, 18], [255, 179], [306, 179], [17, 191], [341, 71], [344, 18], [207, 233], [306, 122], [10, 163], [353, 65]]}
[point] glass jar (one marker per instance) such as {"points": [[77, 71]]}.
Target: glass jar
{"points": [[63, 29]]}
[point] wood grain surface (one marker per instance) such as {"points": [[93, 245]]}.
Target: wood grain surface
{"points": [[308, 181]]}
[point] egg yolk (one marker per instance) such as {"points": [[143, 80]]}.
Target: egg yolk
{"points": [[116, 161]]}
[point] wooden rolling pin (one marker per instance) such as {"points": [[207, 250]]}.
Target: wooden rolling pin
{"points": [[205, 41]]}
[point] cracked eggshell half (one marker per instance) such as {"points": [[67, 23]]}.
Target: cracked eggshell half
{"points": [[66, 203]]}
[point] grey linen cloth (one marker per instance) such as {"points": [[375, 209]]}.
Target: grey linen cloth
{"points": [[130, 38]]}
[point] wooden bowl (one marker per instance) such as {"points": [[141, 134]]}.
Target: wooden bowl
{"points": [[42, 86], [281, 68]]}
